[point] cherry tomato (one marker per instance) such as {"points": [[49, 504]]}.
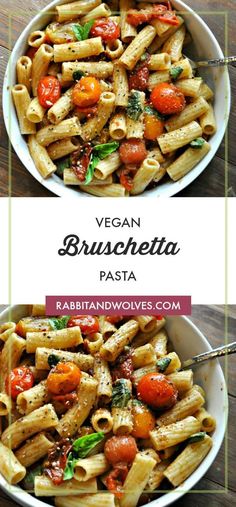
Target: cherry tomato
{"points": [[64, 378], [138, 80], [159, 317], [120, 450], [63, 402], [143, 421], [106, 29], [170, 18], [137, 17], [125, 179], [31, 52], [49, 91], [113, 319], [19, 380], [153, 127], [157, 391], [87, 323], [133, 151], [116, 478], [167, 99], [86, 92], [87, 111]]}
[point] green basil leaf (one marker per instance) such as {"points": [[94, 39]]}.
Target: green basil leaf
{"points": [[153, 112], [197, 143], [121, 394], [197, 437], [134, 108], [99, 152], [77, 74], [163, 363], [80, 449], [175, 72], [53, 360], [82, 32], [59, 323], [62, 164]]}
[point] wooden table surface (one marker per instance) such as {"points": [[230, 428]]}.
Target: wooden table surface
{"points": [[209, 183], [210, 320]]}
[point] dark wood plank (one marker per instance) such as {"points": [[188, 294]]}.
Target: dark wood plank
{"points": [[209, 184]]}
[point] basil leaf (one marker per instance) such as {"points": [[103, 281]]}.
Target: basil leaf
{"points": [[134, 108], [77, 74], [153, 112], [163, 363], [53, 360], [144, 57], [59, 323], [80, 449], [62, 164], [82, 32], [197, 437], [99, 152], [197, 143], [121, 394], [103, 150], [28, 481], [175, 72]]}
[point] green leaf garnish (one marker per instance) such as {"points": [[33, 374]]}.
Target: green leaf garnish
{"points": [[163, 363], [63, 163], [197, 437], [59, 323], [53, 360], [82, 32], [197, 143], [153, 112], [121, 394], [28, 481], [144, 57], [98, 153], [175, 72], [134, 108], [77, 74], [80, 449]]}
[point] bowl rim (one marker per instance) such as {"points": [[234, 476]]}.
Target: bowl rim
{"points": [[26, 499], [53, 183]]}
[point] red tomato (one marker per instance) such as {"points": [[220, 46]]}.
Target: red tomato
{"points": [[87, 111], [64, 378], [156, 390], [133, 151], [86, 92], [137, 17], [19, 380], [49, 91], [80, 161], [143, 421], [31, 52], [138, 80], [115, 480], [170, 18], [125, 179], [87, 323], [159, 317], [64, 401], [167, 99], [120, 450], [113, 319], [106, 29]]}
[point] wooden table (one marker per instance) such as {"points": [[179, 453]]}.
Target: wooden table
{"points": [[210, 183], [210, 320]]}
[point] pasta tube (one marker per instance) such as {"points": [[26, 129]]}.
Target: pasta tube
{"points": [[45, 487], [51, 133], [10, 356], [120, 85], [191, 112], [83, 361], [101, 70], [180, 137], [115, 344], [61, 108], [208, 423], [101, 11], [33, 398], [137, 47], [61, 339], [128, 32], [107, 166], [91, 467], [41, 62], [34, 449], [23, 71], [94, 126], [102, 420], [117, 126], [142, 356], [22, 101], [183, 408], [104, 499], [5, 404], [6, 330], [35, 112], [136, 479], [41, 158], [172, 434], [10, 467], [74, 10], [144, 175], [103, 377], [183, 164], [76, 50], [208, 121], [63, 147], [122, 420]]}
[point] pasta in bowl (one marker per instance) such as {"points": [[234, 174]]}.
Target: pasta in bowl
{"points": [[95, 409], [109, 104]]}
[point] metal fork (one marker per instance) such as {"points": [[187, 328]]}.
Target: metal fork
{"points": [[217, 62]]}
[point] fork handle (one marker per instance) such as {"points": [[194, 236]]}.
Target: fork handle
{"points": [[217, 62], [210, 354]]}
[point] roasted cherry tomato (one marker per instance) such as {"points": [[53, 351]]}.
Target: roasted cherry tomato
{"points": [[137, 17], [31, 52], [106, 29], [170, 18], [87, 323], [113, 319], [116, 478], [64, 378], [125, 179], [143, 421], [157, 391], [133, 151], [19, 380], [153, 127], [49, 91], [63, 402], [86, 92], [138, 79], [120, 449], [167, 99]]}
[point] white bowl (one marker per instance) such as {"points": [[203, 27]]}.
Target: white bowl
{"points": [[187, 341], [205, 46]]}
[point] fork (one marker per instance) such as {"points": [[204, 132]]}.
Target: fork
{"points": [[217, 62]]}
